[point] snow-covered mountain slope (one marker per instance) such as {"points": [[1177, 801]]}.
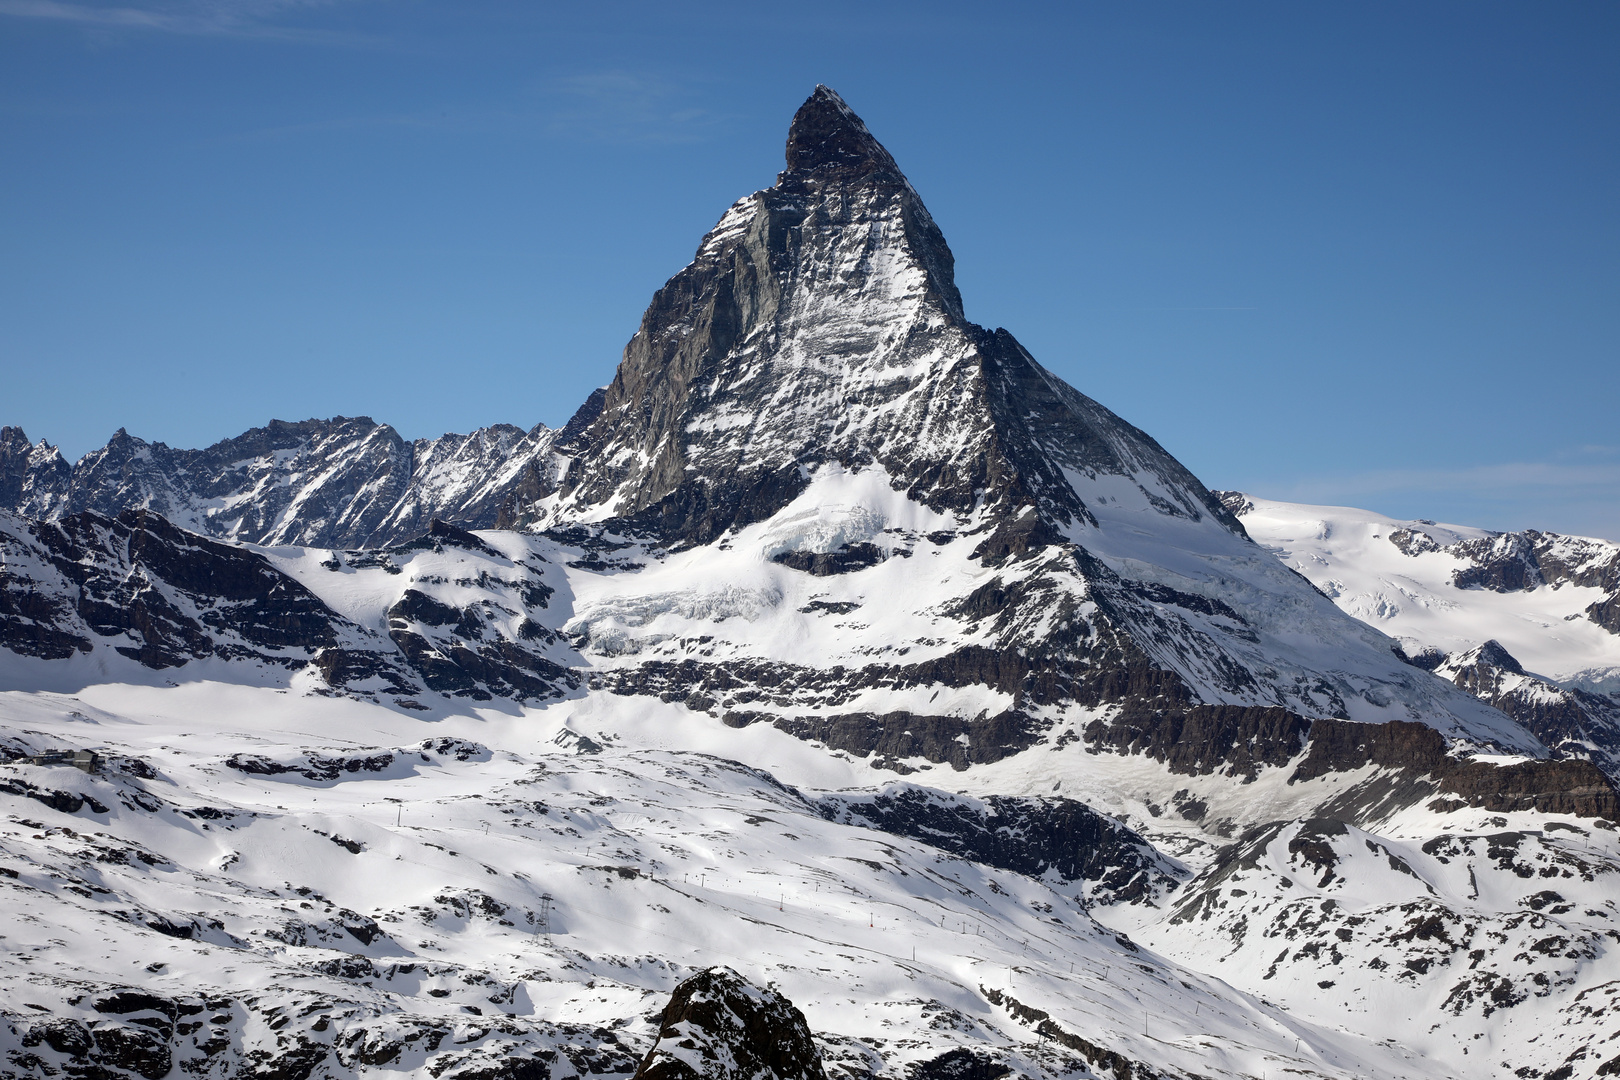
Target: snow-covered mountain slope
{"points": [[200, 906], [1500, 943], [1543, 596], [246, 889], [500, 615], [1523, 620], [345, 482]]}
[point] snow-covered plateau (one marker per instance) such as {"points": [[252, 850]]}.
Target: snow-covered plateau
{"points": [[839, 694]]}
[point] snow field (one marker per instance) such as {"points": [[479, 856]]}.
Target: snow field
{"points": [[1348, 554]]}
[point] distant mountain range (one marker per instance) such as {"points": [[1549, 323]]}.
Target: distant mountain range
{"points": [[344, 482]]}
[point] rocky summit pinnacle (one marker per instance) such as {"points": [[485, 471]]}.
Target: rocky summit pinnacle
{"points": [[826, 134], [820, 323]]}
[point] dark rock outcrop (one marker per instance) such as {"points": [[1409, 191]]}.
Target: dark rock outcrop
{"points": [[1232, 739], [166, 595], [1035, 836], [719, 1026]]}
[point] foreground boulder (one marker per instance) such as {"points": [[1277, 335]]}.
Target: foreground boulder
{"points": [[719, 1026]]}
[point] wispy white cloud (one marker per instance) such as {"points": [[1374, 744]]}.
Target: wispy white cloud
{"points": [[612, 106], [214, 18], [625, 106]]}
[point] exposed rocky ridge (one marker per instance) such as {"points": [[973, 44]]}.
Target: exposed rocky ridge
{"points": [[163, 597], [1572, 722], [1553, 787], [347, 482], [1239, 742], [719, 1026]]}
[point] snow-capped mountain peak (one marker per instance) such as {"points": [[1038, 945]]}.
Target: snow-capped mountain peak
{"points": [[836, 651]]}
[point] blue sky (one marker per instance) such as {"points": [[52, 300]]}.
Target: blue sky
{"points": [[1356, 253]]}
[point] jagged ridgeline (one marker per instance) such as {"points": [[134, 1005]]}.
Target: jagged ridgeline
{"points": [[347, 482]]}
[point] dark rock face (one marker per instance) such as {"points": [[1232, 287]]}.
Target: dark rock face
{"points": [[894, 737], [1505, 563], [1038, 837], [1232, 739], [960, 1064], [1551, 787], [1606, 613], [823, 564], [345, 482], [1340, 746], [1548, 787], [719, 1026]]}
